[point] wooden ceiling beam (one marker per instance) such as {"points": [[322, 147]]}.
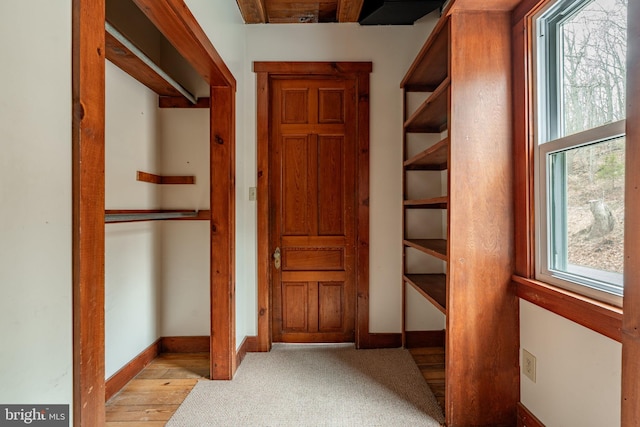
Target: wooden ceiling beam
{"points": [[253, 11], [349, 10]]}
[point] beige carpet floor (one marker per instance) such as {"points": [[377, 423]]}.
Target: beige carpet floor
{"points": [[315, 385]]}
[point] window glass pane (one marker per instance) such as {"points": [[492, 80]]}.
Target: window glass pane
{"points": [[586, 202], [592, 43]]}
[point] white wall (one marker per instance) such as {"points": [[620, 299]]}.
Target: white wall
{"points": [[185, 273], [35, 202], [222, 22], [578, 371], [132, 264]]}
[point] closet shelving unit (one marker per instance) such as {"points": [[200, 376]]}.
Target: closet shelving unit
{"points": [[124, 54], [463, 74], [430, 76]]}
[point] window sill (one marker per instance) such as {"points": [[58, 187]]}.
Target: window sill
{"points": [[597, 316]]}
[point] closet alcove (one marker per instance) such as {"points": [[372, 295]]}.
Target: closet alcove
{"points": [[155, 165]]}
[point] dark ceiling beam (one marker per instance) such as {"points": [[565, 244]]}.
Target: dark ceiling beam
{"points": [[349, 10], [253, 11]]}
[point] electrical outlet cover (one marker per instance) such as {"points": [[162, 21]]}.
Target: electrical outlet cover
{"points": [[529, 365]]}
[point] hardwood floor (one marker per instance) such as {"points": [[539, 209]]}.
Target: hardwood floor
{"points": [[151, 398], [430, 361]]}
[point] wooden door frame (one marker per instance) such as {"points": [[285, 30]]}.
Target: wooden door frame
{"points": [[175, 21], [359, 71]]}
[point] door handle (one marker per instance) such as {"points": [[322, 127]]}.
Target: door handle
{"points": [[276, 259]]}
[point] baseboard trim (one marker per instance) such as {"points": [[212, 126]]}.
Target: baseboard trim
{"points": [[197, 344], [249, 344], [526, 418], [415, 339], [381, 340], [117, 381]]}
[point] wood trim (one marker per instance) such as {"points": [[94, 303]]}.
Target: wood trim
{"points": [[597, 316], [403, 219], [523, 150], [182, 102], [526, 418], [158, 179], [265, 71], [362, 244], [117, 381], [319, 68], [416, 339], [176, 22], [88, 198], [526, 8], [381, 340], [264, 294], [631, 317], [249, 345], [195, 344], [223, 214]]}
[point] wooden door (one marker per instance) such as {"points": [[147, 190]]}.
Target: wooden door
{"points": [[312, 209]]}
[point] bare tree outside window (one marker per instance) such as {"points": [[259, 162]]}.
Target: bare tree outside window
{"points": [[593, 85]]}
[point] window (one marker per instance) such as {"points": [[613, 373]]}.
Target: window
{"points": [[580, 112]]}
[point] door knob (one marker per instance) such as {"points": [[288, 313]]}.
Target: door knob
{"points": [[276, 259]]}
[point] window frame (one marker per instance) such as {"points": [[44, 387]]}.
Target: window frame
{"points": [[547, 122]]}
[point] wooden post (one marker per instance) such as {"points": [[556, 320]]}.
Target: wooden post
{"points": [[88, 71], [222, 233], [631, 315]]}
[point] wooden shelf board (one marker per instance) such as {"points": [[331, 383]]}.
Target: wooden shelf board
{"points": [[158, 179], [126, 60], [431, 116], [135, 215], [435, 158], [431, 66], [432, 286], [433, 247], [433, 203]]}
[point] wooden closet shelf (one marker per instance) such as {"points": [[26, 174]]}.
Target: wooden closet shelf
{"points": [[431, 65], [434, 203], [433, 247], [113, 216], [431, 286], [126, 56], [157, 179], [434, 158], [431, 116]]}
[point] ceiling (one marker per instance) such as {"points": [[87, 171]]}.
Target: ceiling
{"points": [[367, 12]]}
